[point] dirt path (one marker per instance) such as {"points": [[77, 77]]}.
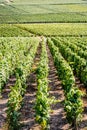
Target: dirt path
{"points": [[27, 111], [58, 120], [3, 101]]}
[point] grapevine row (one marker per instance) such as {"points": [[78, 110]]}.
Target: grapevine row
{"points": [[42, 106], [73, 102], [79, 41], [11, 55], [75, 48], [18, 90], [78, 64]]}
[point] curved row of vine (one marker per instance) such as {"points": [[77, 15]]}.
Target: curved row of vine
{"points": [[73, 102], [78, 64], [18, 90]]}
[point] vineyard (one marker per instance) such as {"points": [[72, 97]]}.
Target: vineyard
{"points": [[51, 11], [48, 30], [43, 64], [43, 83]]}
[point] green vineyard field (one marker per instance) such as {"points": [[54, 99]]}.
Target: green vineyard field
{"points": [[17, 57], [43, 11], [43, 65]]}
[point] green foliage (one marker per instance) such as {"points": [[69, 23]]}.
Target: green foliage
{"points": [[49, 29], [12, 57], [43, 11], [42, 106], [56, 29], [79, 65], [73, 105], [9, 30], [19, 89], [64, 71], [16, 57], [78, 48], [14, 104]]}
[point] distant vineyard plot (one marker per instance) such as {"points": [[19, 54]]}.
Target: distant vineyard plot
{"points": [[49, 29], [45, 29], [17, 11]]}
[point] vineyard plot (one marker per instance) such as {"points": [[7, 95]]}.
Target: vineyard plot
{"points": [[58, 119], [72, 59], [22, 68], [27, 93], [27, 118]]}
